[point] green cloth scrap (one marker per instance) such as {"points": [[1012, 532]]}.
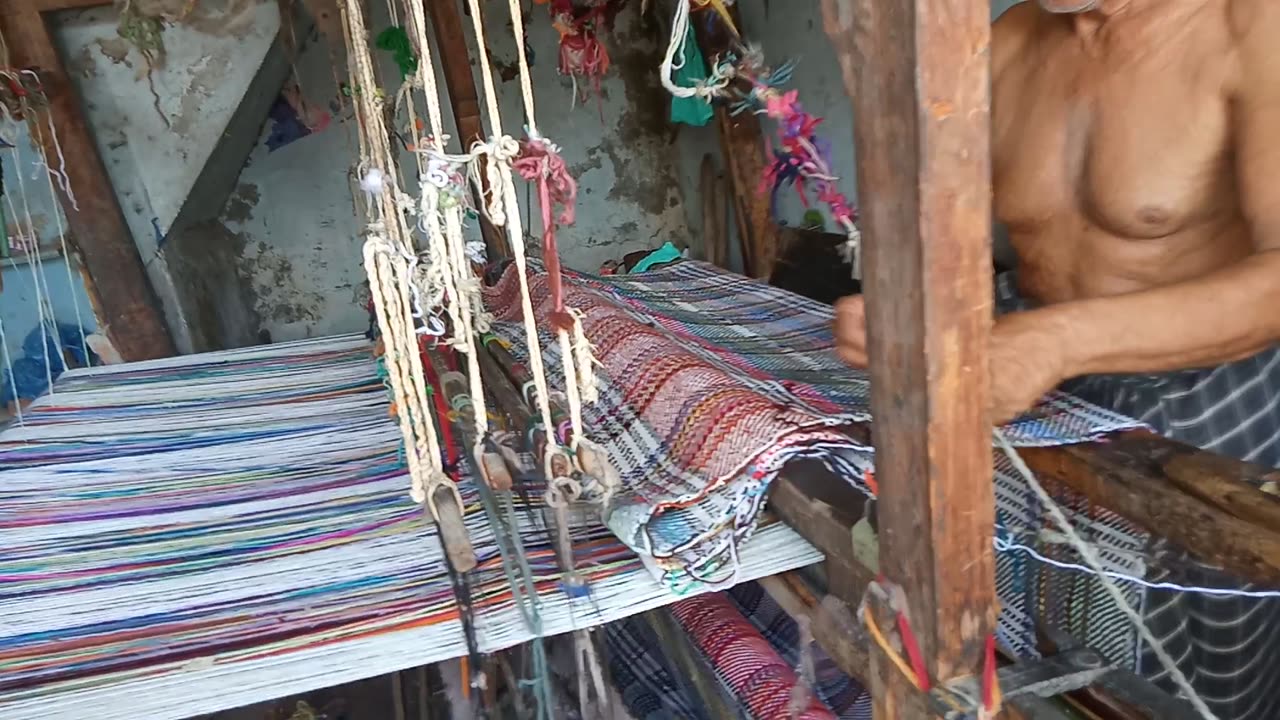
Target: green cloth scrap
{"points": [[694, 110], [395, 40], [665, 254]]}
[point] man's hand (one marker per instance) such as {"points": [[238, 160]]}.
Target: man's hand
{"points": [[851, 331], [1024, 361]]}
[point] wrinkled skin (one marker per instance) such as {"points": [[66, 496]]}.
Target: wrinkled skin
{"points": [[1135, 168]]}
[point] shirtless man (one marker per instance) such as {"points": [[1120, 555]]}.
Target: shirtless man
{"points": [[1136, 167]]}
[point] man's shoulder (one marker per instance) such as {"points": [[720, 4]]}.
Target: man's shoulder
{"points": [[1012, 32], [1250, 20]]}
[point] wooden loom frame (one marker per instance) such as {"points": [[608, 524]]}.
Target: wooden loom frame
{"points": [[917, 71]]}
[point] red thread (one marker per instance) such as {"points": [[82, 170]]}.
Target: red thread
{"points": [[540, 163], [869, 477], [914, 655], [442, 412]]}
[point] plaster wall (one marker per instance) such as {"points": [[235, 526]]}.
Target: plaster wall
{"points": [[165, 130], [793, 31], [292, 213]]}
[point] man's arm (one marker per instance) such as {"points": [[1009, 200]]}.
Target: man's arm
{"points": [[1229, 314]]}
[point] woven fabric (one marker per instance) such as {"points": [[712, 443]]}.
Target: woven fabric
{"points": [[651, 686], [745, 661], [1225, 645], [711, 382]]}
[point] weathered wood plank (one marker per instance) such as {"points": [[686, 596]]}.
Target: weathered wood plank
{"points": [[455, 61], [121, 293], [920, 89], [1199, 501]]}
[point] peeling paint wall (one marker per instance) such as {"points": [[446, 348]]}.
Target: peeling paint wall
{"points": [[161, 126], [300, 237]]}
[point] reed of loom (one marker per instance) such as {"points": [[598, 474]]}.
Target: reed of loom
{"points": [[556, 520], [454, 388]]}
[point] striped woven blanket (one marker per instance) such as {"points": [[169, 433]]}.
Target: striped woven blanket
{"points": [[711, 382]]}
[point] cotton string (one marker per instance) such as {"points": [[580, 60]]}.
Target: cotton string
{"points": [[447, 247], [576, 357], [505, 205], [34, 257], [57, 217], [1091, 559], [388, 244]]}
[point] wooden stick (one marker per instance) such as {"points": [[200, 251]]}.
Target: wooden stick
{"points": [[918, 73], [743, 149], [446, 23]]}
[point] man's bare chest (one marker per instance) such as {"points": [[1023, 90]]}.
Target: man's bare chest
{"points": [[1140, 149]]}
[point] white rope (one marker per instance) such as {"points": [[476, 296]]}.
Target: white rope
{"points": [[446, 245], [502, 186], [675, 49], [62, 233], [526, 78], [387, 251], [1091, 559]]}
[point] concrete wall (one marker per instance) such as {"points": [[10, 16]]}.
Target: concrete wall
{"points": [[792, 31], [293, 219], [166, 133]]}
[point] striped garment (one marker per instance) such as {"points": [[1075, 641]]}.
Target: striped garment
{"points": [[651, 686], [1225, 645]]}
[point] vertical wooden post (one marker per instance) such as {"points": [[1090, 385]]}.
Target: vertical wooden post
{"points": [[918, 72], [455, 60], [121, 292], [742, 146]]}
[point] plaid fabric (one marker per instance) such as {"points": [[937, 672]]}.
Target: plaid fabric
{"points": [[1225, 645], [744, 660], [711, 383], [648, 680]]}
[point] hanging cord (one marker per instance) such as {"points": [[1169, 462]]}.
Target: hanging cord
{"points": [[62, 233], [713, 86], [442, 199], [388, 252], [1090, 557], [542, 164], [34, 257]]}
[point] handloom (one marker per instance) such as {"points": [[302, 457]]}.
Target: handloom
{"points": [[252, 500], [238, 527]]}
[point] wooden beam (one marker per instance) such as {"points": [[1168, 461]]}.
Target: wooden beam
{"points": [[743, 149], [122, 294], [919, 82], [1204, 503], [455, 61]]}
